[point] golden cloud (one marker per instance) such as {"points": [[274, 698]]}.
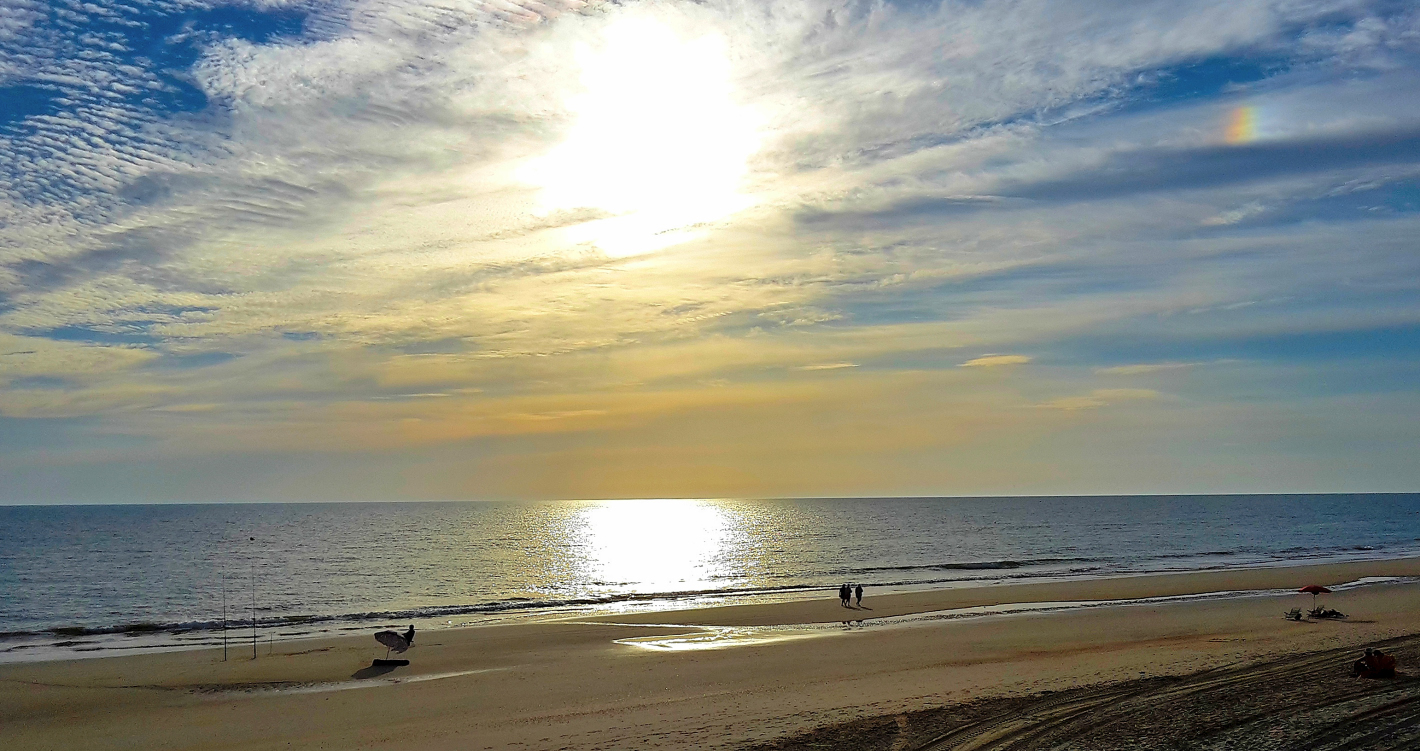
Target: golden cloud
{"points": [[1099, 398], [1143, 368], [992, 361]]}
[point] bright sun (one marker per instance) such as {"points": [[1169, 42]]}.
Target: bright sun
{"points": [[657, 141]]}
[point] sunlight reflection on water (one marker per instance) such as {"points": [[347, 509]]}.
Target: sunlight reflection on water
{"points": [[120, 572], [656, 545]]}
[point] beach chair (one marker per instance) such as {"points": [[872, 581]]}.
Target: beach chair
{"points": [[1295, 614]]}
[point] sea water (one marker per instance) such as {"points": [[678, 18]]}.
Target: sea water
{"points": [[86, 579]]}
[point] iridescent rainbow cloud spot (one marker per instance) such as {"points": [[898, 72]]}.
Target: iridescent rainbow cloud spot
{"points": [[1242, 125]]}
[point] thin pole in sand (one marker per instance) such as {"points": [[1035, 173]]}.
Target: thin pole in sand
{"points": [[224, 615], [253, 604]]}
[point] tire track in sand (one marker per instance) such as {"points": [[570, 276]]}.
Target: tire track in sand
{"points": [[1303, 702]]}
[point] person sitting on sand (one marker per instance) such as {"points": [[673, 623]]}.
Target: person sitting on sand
{"points": [[1382, 665], [1359, 666], [409, 635], [1374, 664]]}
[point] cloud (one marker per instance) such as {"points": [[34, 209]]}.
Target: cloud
{"points": [[1235, 215], [1149, 170], [993, 361], [1144, 368], [1099, 398], [267, 214]]}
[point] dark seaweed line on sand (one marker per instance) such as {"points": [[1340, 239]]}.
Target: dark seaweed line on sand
{"points": [[1305, 702]]}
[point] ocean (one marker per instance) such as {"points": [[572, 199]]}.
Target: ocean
{"points": [[78, 580]]}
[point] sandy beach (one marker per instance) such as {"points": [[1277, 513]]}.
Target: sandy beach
{"points": [[637, 681]]}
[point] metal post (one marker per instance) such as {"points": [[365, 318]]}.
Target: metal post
{"points": [[253, 607], [224, 615]]}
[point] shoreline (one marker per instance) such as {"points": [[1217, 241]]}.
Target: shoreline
{"points": [[1121, 589], [698, 609], [575, 683], [1105, 589], [177, 561]]}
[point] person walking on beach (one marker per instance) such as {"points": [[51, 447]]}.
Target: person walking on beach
{"points": [[843, 595], [858, 591]]}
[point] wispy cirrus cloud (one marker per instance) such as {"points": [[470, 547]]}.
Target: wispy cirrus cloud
{"points": [[995, 361], [1099, 398], [1144, 368]]}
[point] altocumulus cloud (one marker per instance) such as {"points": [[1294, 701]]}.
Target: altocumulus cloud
{"points": [[244, 227]]}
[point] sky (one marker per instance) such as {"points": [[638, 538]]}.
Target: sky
{"points": [[401, 249]]}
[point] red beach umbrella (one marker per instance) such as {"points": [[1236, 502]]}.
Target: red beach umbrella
{"points": [[1314, 590]]}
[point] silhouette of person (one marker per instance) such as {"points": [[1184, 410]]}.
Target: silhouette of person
{"points": [[843, 595], [859, 592], [1359, 667], [409, 635]]}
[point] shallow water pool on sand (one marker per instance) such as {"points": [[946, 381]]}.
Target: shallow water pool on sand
{"points": [[722, 637]]}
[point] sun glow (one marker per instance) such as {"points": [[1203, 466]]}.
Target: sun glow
{"points": [[665, 545], [658, 142]]}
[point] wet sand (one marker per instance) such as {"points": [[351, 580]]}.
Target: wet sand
{"points": [[793, 668]]}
